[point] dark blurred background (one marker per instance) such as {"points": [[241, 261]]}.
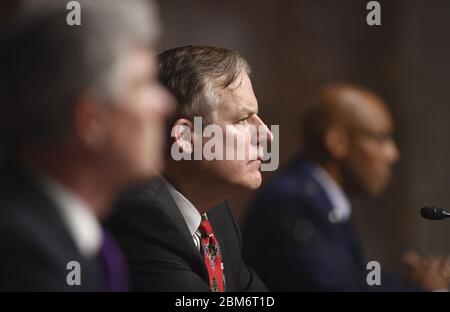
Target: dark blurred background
{"points": [[296, 46]]}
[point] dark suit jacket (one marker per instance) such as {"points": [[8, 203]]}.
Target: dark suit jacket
{"points": [[161, 253], [35, 245], [292, 245]]}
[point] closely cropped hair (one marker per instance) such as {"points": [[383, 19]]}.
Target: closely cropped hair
{"points": [[194, 73], [318, 116], [45, 63]]}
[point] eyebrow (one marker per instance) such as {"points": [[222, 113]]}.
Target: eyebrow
{"points": [[248, 111]]}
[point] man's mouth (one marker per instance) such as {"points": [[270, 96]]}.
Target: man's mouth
{"points": [[256, 163]]}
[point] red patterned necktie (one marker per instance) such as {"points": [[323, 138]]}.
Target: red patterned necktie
{"points": [[212, 256]]}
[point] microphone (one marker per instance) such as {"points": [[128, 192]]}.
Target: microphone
{"points": [[433, 213]]}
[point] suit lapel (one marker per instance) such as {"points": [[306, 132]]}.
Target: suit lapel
{"points": [[181, 234]]}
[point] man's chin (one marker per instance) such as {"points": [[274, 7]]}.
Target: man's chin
{"points": [[255, 181], [373, 192]]}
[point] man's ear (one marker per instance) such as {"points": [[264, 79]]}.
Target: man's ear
{"points": [[183, 134], [337, 142], [89, 122]]}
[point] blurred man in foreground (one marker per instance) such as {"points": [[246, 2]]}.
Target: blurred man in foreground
{"points": [[178, 232], [81, 116], [303, 216]]}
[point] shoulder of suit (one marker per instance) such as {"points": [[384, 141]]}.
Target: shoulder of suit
{"points": [[149, 202], [292, 184], [288, 192], [146, 191]]}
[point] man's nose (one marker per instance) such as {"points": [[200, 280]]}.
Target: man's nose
{"points": [[393, 152], [264, 133]]}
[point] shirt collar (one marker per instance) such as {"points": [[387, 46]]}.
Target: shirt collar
{"points": [[190, 214], [341, 205], [79, 218]]}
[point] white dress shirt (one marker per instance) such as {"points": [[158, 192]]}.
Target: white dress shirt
{"points": [[81, 222], [341, 205], [190, 214]]}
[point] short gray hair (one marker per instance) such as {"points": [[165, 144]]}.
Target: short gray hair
{"points": [[45, 63], [193, 73]]}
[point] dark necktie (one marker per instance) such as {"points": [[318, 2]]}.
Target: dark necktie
{"points": [[212, 256], [114, 264]]}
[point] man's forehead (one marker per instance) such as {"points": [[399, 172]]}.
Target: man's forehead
{"points": [[236, 83], [375, 117], [240, 96]]}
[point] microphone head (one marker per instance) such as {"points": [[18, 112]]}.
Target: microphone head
{"points": [[432, 213]]}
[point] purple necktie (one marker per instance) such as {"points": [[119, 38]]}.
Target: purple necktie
{"points": [[114, 264]]}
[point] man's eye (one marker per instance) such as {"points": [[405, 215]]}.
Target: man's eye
{"points": [[243, 121]]}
